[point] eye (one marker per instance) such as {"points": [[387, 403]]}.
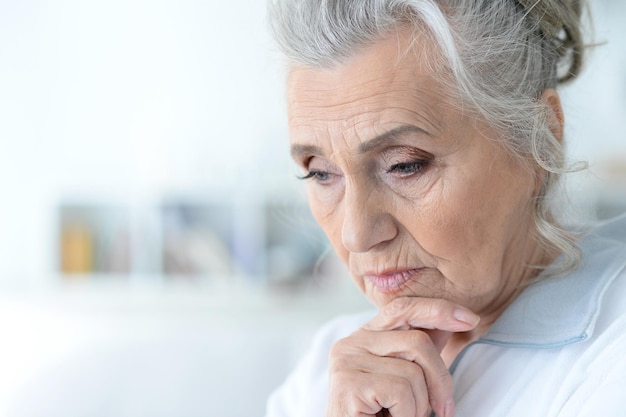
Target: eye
{"points": [[318, 176], [406, 169], [320, 171]]}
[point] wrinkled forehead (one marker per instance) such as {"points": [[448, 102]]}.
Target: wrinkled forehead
{"points": [[394, 59], [389, 80]]}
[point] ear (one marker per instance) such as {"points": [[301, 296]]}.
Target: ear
{"points": [[551, 99]]}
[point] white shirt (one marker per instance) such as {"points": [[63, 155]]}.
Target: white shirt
{"points": [[559, 350]]}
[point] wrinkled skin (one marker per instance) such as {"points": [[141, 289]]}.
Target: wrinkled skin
{"points": [[432, 217]]}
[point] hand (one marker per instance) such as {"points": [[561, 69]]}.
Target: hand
{"points": [[392, 366]]}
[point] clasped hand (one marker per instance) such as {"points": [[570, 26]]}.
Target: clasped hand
{"points": [[392, 366]]}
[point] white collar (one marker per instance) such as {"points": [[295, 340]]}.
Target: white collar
{"points": [[557, 311]]}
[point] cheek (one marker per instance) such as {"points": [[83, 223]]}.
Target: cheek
{"points": [[468, 222], [459, 234], [443, 225], [329, 216], [330, 220]]}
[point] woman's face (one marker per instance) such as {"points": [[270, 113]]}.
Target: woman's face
{"points": [[412, 195]]}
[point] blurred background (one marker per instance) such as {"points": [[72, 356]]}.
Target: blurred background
{"points": [[156, 254]]}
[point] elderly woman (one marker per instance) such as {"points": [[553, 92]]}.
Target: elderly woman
{"points": [[430, 134]]}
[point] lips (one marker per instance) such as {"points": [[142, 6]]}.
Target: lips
{"points": [[393, 281]]}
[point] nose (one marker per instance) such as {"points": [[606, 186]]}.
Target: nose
{"points": [[366, 221]]}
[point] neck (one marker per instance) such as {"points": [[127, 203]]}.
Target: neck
{"points": [[516, 277]]}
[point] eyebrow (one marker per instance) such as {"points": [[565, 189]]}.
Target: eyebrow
{"points": [[365, 147]]}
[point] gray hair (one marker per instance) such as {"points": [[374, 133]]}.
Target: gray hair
{"points": [[502, 54]]}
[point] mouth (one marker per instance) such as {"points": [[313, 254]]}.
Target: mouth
{"points": [[393, 281]]}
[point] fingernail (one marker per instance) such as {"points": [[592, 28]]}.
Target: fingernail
{"points": [[466, 316], [448, 410]]}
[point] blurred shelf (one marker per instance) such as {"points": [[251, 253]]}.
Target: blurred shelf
{"points": [[206, 239]]}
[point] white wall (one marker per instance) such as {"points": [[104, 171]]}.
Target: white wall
{"points": [[129, 99]]}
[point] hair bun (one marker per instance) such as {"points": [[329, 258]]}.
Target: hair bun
{"points": [[560, 22]]}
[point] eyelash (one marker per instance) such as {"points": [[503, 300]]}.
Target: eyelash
{"points": [[406, 169], [316, 175]]}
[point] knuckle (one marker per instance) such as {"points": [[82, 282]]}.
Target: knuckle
{"points": [[337, 364], [446, 380], [415, 372], [340, 354], [422, 338], [418, 338], [438, 310], [339, 380], [352, 406], [339, 347], [443, 382], [397, 306], [404, 386], [346, 345]]}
